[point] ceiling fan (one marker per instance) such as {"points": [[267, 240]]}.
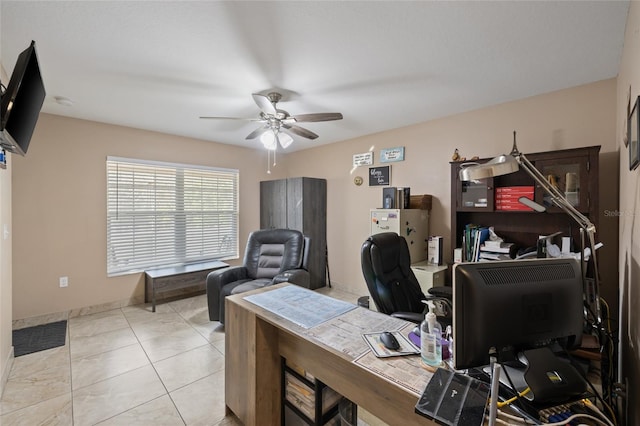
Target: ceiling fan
{"points": [[277, 124]]}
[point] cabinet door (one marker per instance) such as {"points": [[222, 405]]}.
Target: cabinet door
{"points": [[273, 204], [570, 176], [475, 195]]}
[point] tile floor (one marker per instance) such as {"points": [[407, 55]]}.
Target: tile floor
{"points": [[127, 366]]}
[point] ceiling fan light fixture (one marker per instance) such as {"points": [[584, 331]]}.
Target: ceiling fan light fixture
{"points": [[268, 139], [285, 140], [275, 119]]}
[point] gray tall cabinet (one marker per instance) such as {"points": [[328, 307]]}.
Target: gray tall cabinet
{"points": [[301, 204]]}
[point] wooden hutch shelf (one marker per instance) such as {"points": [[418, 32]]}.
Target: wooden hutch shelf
{"points": [[475, 202]]}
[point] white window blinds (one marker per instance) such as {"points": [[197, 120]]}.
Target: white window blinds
{"points": [[164, 214]]}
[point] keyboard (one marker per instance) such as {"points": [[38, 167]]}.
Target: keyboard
{"points": [[453, 398]]}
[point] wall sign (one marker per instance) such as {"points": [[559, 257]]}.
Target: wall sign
{"points": [[380, 176], [389, 155], [364, 159]]}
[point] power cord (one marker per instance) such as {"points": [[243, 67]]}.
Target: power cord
{"points": [[607, 363], [593, 389], [510, 400]]}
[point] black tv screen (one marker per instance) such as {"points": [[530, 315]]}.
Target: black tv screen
{"points": [[21, 102]]}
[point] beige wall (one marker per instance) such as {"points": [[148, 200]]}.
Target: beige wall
{"points": [[576, 117], [59, 208], [6, 347], [629, 260]]}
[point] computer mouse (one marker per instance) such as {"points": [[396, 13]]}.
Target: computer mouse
{"points": [[389, 341]]}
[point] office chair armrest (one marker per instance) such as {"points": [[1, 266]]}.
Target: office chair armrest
{"points": [[441, 291], [294, 276], [409, 316], [224, 276]]}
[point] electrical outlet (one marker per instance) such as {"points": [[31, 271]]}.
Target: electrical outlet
{"points": [[64, 281]]}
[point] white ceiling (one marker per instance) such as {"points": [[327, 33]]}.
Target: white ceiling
{"points": [[159, 65]]}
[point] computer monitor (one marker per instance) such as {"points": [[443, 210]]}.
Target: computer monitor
{"points": [[514, 305]]}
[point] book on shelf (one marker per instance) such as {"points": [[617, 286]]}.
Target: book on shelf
{"points": [[500, 248], [515, 207], [487, 255], [515, 190], [473, 238]]}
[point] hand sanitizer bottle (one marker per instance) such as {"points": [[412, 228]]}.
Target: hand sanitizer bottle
{"points": [[430, 343]]}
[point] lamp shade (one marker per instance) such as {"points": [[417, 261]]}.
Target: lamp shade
{"points": [[268, 139], [285, 140], [501, 165]]}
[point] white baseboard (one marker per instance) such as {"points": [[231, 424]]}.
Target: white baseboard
{"points": [[65, 315]]}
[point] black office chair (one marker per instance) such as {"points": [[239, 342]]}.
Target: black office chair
{"points": [[386, 266]]}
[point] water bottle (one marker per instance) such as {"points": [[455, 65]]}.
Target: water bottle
{"points": [[430, 340]]}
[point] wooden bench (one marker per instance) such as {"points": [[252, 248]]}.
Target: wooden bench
{"points": [[162, 280]]}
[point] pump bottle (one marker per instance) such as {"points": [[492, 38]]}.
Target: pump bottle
{"points": [[430, 340]]}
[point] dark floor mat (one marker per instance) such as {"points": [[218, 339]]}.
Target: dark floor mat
{"points": [[40, 337]]}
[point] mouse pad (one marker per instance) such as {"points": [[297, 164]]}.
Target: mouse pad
{"points": [[379, 350], [454, 399]]}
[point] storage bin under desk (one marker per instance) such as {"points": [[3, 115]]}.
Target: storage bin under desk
{"points": [[305, 399]]}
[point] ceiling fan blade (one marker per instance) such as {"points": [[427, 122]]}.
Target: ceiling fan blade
{"points": [[320, 116], [233, 118], [264, 104], [257, 132], [300, 131]]}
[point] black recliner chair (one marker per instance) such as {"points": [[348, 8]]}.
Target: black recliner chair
{"points": [[272, 256], [386, 266]]}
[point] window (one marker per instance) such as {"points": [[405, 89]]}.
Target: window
{"points": [[164, 214]]}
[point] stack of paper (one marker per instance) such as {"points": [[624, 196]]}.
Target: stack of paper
{"points": [[495, 250]]}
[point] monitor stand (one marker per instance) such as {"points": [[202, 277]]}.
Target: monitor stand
{"points": [[550, 378]]}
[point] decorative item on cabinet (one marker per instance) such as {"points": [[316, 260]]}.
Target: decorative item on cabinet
{"points": [[396, 198], [421, 202]]}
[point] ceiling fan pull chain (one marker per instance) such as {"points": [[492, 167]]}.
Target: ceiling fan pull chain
{"points": [[274, 156], [268, 162]]}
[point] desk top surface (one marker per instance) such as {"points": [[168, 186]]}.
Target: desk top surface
{"points": [[342, 335]]}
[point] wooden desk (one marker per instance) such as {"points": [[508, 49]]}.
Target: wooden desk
{"points": [[255, 339]]}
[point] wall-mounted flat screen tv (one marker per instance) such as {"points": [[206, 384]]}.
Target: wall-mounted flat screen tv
{"points": [[21, 103]]}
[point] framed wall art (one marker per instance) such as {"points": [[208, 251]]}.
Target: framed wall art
{"points": [[380, 176], [389, 155], [633, 129]]}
